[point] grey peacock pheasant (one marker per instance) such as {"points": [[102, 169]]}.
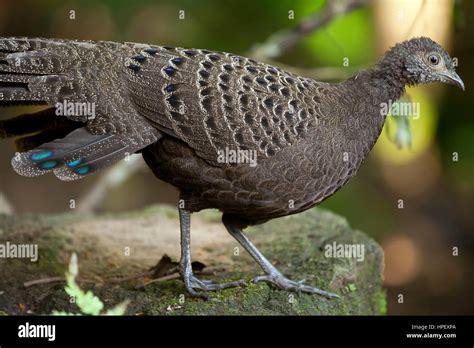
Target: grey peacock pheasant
{"points": [[182, 108]]}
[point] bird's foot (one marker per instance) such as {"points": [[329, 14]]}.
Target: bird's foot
{"points": [[284, 283], [198, 287]]}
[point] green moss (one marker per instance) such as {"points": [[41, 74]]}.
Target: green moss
{"points": [[295, 244]]}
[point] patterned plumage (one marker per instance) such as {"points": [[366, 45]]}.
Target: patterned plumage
{"points": [[181, 107]]}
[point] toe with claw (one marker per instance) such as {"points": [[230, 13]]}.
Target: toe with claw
{"points": [[193, 284], [284, 283]]}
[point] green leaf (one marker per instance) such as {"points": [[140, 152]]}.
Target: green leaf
{"points": [[87, 302]]}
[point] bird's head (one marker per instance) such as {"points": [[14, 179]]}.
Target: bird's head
{"points": [[421, 60]]}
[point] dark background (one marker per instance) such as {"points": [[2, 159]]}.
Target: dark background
{"points": [[437, 192]]}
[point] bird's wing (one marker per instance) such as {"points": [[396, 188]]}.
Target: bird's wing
{"points": [[80, 80], [216, 101]]}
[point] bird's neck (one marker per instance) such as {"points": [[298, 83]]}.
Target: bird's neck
{"points": [[381, 85], [370, 90]]}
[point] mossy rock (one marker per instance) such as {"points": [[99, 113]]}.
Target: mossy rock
{"points": [[118, 246]]}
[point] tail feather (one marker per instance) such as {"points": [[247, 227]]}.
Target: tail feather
{"points": [[95, 161], [20, 79], [31, 62], [30, 142], [20, 44], [78, 154], [51, 71], [32, 72]]}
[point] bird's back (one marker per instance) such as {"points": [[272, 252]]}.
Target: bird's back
{"points": [[212, 101]]}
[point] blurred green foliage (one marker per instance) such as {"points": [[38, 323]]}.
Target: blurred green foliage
{"points": [[345, 37]]}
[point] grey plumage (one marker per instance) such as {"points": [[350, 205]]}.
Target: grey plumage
{"points": [[180, 107], [43, 71]]}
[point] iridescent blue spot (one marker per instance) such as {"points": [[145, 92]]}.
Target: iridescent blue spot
{"points": [[214, 57], [48, 164], [139, 58], [83, 170], [177, 60], [74, 163], [169, 70], [190, 52], [170, 88], [41, 155]]}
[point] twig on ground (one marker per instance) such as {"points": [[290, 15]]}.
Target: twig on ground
{"points": [[43, 281], [51, 280], [136, 276]]}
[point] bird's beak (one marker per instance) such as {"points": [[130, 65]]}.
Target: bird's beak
{"points": [[452, 78]]}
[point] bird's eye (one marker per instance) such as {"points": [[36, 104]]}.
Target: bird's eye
{"points": [[433, 59]]}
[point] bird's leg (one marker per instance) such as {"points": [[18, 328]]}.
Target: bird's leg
{"points": [[272, 275], [190, 281]]}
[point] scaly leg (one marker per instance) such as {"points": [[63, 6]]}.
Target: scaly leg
{"points": [[272, 275], [190, 281]]}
